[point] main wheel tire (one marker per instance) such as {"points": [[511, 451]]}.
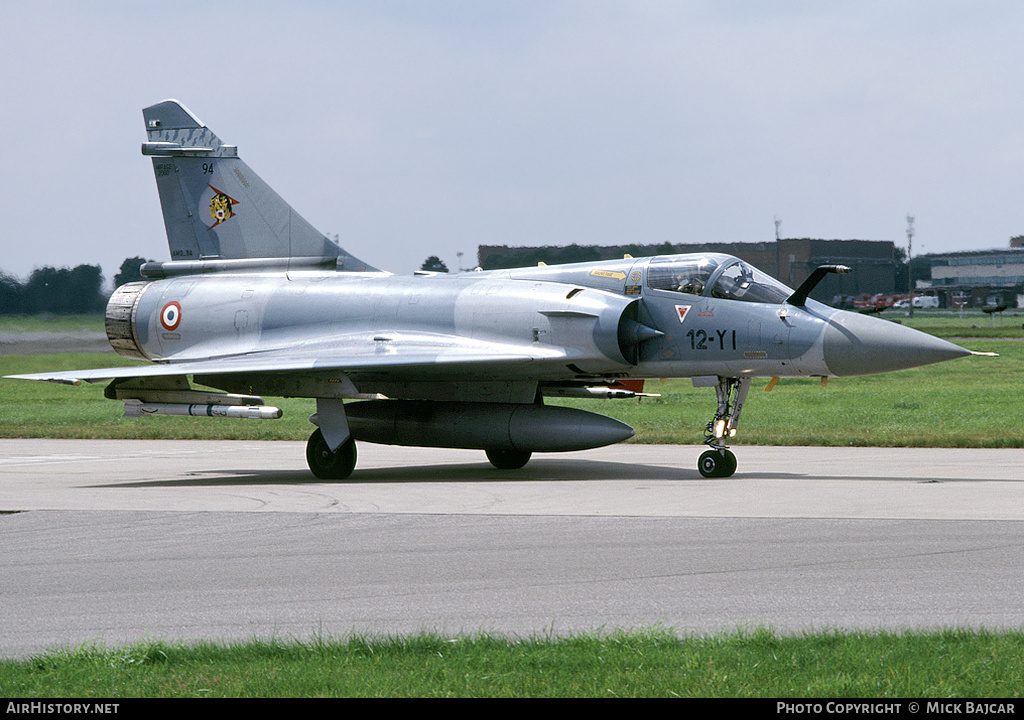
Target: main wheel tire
{"points": [[717, 464], [508, 459], [328, 465]]}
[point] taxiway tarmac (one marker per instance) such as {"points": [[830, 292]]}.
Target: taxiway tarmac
{"points": [[111, 542]]}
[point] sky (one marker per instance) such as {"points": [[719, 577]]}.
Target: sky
{"points": [[411, 128]]}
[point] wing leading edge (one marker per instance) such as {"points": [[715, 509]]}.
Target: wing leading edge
{"points": [[392, 357]]}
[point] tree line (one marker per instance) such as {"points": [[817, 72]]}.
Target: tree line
{"points": [[78, 290], [62, 291]]}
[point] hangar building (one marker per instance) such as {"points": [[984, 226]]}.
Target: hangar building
{"points": [[873, 263], [981, 278]]}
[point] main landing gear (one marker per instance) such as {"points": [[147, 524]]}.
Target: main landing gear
{"points": [[719, 461], [339, 464], [327, 464], [508, 459]]}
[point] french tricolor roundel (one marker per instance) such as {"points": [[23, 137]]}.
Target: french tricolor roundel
{"points": [[170, 316]]}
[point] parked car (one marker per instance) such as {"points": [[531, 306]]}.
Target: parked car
{"points": [[920, 301]]}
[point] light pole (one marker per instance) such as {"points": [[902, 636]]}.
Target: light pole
{"points": [[910, 276]]}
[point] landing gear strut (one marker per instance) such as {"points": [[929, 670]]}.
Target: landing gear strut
{"points": [[327, 464], [719, 461]]}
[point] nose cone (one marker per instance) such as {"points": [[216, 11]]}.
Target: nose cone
{"points": [[857, 344]]}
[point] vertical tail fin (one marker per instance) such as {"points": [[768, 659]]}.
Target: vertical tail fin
{"points": [[215, 207]]}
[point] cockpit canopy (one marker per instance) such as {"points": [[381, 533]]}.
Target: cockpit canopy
{"points": [[714, 275]]}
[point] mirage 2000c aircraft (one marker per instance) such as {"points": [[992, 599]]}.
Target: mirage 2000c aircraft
{"points": [[255, 302]]}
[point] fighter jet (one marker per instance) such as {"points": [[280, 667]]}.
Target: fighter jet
{"points": [[255, 302]]}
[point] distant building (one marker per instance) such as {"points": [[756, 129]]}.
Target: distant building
{"points": [[873, 263], [979, 278]]}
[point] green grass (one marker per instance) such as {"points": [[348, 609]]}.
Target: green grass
{"points": [[969, 402], [34, 409], [50, 323], [945, 324], [972, 402], [759, 664]]}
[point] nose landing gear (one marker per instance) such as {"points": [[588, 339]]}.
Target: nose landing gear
{"points": [[719, 461]]}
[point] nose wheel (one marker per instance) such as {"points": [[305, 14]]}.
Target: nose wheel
{"points": [[719, 461]]}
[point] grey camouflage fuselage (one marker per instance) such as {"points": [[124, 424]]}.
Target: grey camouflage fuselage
{"points": [[256, 302]]}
